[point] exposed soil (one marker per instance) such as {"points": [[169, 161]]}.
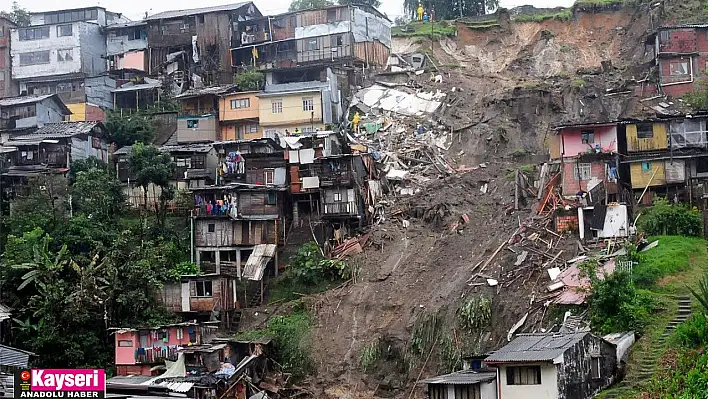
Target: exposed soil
{"points": [[512, 83]]}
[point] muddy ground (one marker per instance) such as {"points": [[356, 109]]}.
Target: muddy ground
{"points": [[516, 81]]}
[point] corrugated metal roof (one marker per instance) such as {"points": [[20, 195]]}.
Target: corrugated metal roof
{"points": [[535, 347], [125, 150], [294, 87], [462, 377], [137, 87], [8, 102], [130, 379], [257, 262], [196, 11], [214, 90], [58, 130], [201, 148], [128, 24], [13, 357], [180, 387], [5, 312]]}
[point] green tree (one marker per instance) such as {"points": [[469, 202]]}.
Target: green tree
{"points": [[299, 5], [98, 194], [153, 168], [250, 79], [83, 165], [18, 15], [130, 128], [372, 3], [451, 9]]}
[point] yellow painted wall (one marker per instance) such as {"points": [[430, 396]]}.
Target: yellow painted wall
{"points": [[78, 112], [293, 114], [641, 178], [228, 114], [658, 142], [554, 145], [230, 132]]}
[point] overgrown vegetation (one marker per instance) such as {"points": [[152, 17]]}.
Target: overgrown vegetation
{"points": [[250, 79], [437, 29], [307, 273], [77, 261], [673, 255], [615, 303], [665, 218], [565, 15], [292, 341]]}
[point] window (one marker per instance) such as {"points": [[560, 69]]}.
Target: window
{"points": [[34, 58], [211, 227], [134, 34], [64, 30], [645, 131], [587, 136], [184, 28], [525, 375], [65, 55], [2, 76], [198, 161], [339, 40], [664, 35], [331, 15], [678, 68], [182, 162], [337, 197], [125, 342], [241, 103], [252, 128], [595, 364], [308, 104], [437, 392], [2, 31], [200, 18], [276, 106], [646, 167], [312, 44], [203, 288], [269, 176], [467, 392], [582, 171], [41, 32], [192, 123], [271, 199]]}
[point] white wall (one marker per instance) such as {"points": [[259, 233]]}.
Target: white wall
{"points": [[53, 44], [547, 390], [488, 390]]}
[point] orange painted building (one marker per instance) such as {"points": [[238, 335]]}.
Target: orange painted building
{"points": [[238, 116]]}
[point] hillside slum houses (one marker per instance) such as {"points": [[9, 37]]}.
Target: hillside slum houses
{"points": [[188, 360]]}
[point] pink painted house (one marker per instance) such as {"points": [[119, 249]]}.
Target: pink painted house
{"points": [[138, 350], [588, 154], [578, 140]]}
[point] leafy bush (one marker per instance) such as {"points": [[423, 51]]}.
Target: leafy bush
{"points": [[693, 333], [475, 313], [310, 267], [292, 342], [182, 269], [616, 305], [249, 79], [664, 218]]}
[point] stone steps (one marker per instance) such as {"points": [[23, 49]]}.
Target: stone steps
{"points": [[647, 364]]}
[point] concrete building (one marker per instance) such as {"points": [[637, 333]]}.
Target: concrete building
{"points": [[553, 366], [8, 87], [306, 106], [681, 54], [126, 46], [63, 52], [238, 116]]}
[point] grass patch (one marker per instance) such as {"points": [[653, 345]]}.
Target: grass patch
{"points": [[577, 84], [420, 29], [291, 337], [565, 15], [673, 255]]}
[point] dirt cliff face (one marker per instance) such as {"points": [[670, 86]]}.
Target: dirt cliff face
{"points": [[512, 83]]}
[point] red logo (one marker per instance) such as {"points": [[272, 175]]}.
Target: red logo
{"points": [[25, 375]]}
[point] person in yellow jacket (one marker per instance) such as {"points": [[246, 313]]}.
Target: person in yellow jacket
{"points": [[355, 122], [420, 11]]}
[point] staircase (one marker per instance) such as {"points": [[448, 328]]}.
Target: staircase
{"points": [[235, 321], [647, 363], [255, 298]]}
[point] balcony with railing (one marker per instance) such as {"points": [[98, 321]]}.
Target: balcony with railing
{"points": [[156, 354]]}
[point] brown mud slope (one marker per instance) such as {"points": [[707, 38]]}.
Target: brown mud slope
{"points": [[516, 81]]}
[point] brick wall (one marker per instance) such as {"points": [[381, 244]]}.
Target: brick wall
{"points": [[680, 41], [94, 113], [572, 186], [566, 223]]}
